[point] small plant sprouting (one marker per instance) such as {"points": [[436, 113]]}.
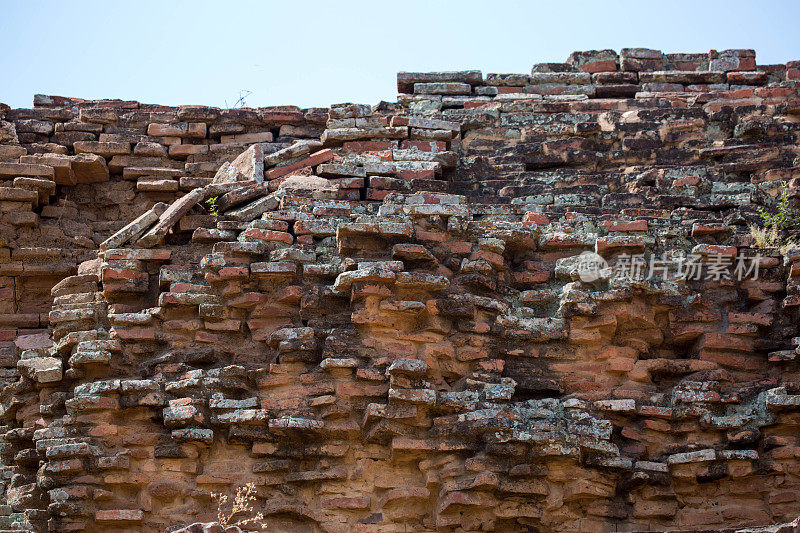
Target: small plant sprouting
{"points": [[213, 207], [783, 216], [242, 503], [775, 223]]}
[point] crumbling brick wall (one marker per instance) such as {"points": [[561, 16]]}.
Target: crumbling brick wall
{"points": [[379, 315], [75, 171]]}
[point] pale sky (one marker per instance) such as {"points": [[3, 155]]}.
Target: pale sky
{"points": [[319, 53]]}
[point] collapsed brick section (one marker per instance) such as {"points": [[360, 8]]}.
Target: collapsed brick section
{"points": [[381, 323]]}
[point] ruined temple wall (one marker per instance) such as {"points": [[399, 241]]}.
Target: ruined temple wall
{"points": [[386, 329]]}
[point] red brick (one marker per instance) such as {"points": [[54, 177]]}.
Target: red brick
{"points": [[411, 174], [377, 194], [269, 235], [425, 146], [608, 65], [537, 218], [320, 157], [510, 90], [625, 225]]}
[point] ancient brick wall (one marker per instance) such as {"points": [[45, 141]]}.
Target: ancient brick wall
{"points": [[75, 171], [380, 315]]}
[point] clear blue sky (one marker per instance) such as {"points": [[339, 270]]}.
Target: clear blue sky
{"points": [[319, 53]]}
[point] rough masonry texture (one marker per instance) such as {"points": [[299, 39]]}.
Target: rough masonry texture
{"points": [[375, 315]]}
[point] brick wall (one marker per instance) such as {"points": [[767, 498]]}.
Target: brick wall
{"points": [[381, 320]]}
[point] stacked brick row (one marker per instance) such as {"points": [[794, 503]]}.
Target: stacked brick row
{"points": [[386, 328], [596, 74]]}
